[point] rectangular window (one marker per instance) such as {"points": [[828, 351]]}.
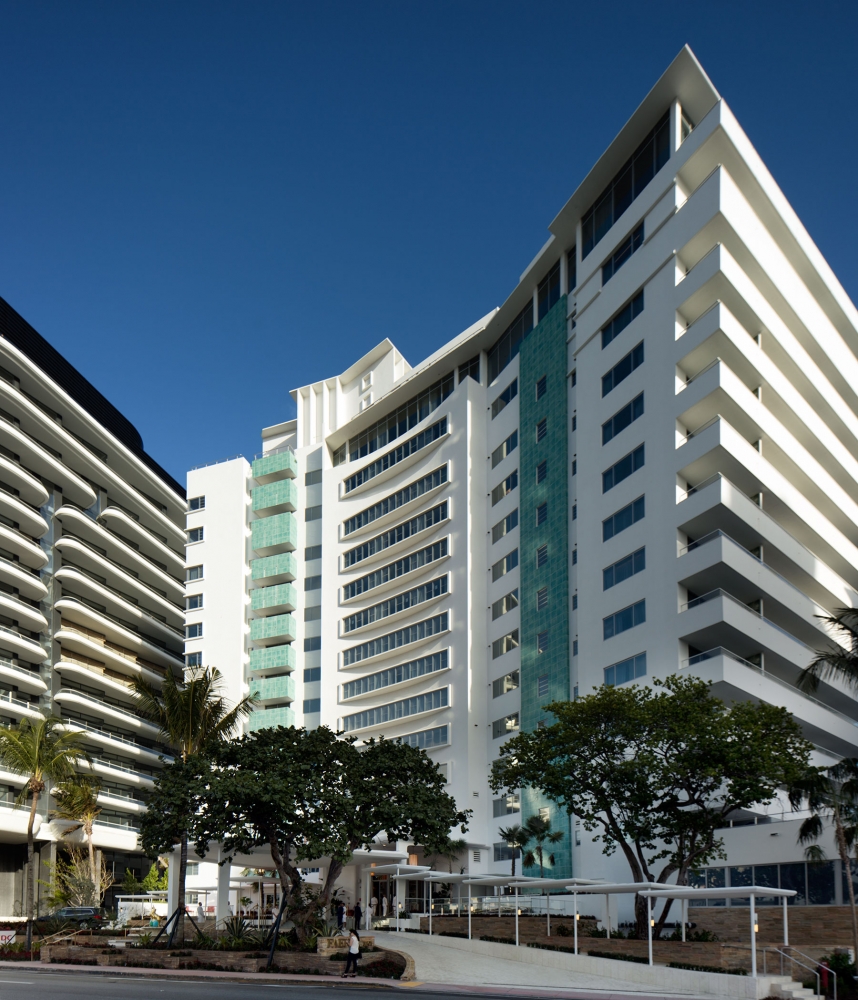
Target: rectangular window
{"points": [[313, 643], [542, 599], [197, 503], [313, 478], [338, 456], [541, 386], [542, 641], [623, 368], [622, 418], [392, 571], [425, 740], [312, 705], [505, 565], [541, 430], [193, 573], [631, 244], [504, 488], [421, 522], [312, 583], [575, 653], [542, 686], [628, 183], [574, 557], [312, 674], [506, 805], [623, 469], [542, 472], [313, 613], [574, 602], [503, 727], [624, 518], [541, 555], [574, 466], [394, 640], [193, 602], [470, 369], [623, 568], [574, 511], [312, 513], [502, 450], [505, 397], [194, 660], [505, 644], [541, 514], [622, 621], [548, 291], [626, 670], [195, 535], [632, 309], [575, 422], [397, 455], [313, 552], [394, 710], [504, 604], [402, 672], [396, 500], [395, 605], [505, 526], [509, 343], [194, 631], [503, 685], [571, 270], [573, 378]]}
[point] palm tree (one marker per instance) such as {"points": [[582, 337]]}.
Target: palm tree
{"points": [[539, 830], [42, 751], [831, 795], [515, 837], [77, 800], [451, 850], [836, 664], [192, 716]]}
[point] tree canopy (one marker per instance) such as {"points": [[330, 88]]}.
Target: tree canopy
{"points": [[657, 771]]}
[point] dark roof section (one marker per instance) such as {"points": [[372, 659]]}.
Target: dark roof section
{"points": [[15, 329]]}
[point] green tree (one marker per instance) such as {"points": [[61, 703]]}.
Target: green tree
{"points": [[154, 879], [308, 795], [450, 851], [192, 716], [539, 831], [516, 838], [130, 885], [656, 771], [831, 795], [41, 751], [77, 800], [838, 662]]}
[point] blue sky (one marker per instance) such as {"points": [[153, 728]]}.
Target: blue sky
{"points": [[203, 205]]}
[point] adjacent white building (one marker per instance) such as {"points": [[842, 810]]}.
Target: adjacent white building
{"points": [[92, 541], [645, 461]]}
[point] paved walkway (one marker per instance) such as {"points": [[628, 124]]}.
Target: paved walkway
{"points": [[439, 964]]}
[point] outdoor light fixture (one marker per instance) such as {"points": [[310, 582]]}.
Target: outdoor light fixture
{"points": [[652, 923], [577, 916], [756, 928]]}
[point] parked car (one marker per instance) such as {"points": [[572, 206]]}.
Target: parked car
{"points": [[85, 916]]}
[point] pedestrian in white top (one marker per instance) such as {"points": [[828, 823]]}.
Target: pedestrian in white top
{"points": [[384, 906], [353, 955]]}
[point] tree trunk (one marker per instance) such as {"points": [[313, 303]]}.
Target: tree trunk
{"points": [[30, 872], [183, 868], [843, 851], [96, 882]]}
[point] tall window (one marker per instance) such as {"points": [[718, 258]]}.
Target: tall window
{"points": [[541, 429], [542, 599], [505, 488], [631, 244], [509, 343], [542, 641], [623, 469], [505, 526], [541, 514], [631, 310], [505, 644], [505, 397], [504, 449], [505, 604], [571, 270], [623, 368], [541, 471], [548, 291], [541, 386], [505, 565], [622, 418], [470, 369], [541, 555], [503, 685]]}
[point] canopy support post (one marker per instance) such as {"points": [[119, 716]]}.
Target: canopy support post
{"points": [[753, 937], [575, 920], [649, 926], [786, 923]]}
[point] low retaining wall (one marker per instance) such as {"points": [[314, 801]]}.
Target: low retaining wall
{"points": [[808, 925]]}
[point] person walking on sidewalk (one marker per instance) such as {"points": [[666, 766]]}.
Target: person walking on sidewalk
{"points": [[353, 955]]}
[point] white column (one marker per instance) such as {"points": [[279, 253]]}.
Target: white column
{"points": [[575, 918], [469, 912], [548, 914], [397, 904], [172, 881], [786, 923], [753, 938], [649, 926], [516, 916], [222, 899], [431, 888]]}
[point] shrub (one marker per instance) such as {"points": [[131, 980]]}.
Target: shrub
{"points": [[708, 968], [456, 934], [498, 940], [619, 956], [383, 968], [563, 931], [553, 947]]}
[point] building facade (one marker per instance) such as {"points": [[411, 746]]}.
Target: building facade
{"points": [[92, 542], [645, 461]]}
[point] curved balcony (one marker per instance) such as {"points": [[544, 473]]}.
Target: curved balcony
{"points": [[90, 645], [136, 565], [81, 701], [114, 741], [80, 555], [19, 707], [39, 460], [121, 605], [22, 579], [114, 799], [23, 646], [154, 546], [119, 632], [28, 518], [86, 673], [20, 677], [113, 769], [28, 551], [30, 489], [25, 614]]}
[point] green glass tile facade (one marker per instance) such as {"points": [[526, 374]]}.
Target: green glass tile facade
{"points": [[275, 627], [282, 466], [273, 688], [274, 658], [543, 353], [268, 533], [283, 596], [266, 718], [283, 566], [283, 493]]}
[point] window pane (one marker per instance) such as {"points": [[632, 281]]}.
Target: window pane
{"points": [[820, 882], [793, 877]]}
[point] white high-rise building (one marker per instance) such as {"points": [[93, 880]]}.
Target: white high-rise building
{"points": [[92, 541], [645, 461]]}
